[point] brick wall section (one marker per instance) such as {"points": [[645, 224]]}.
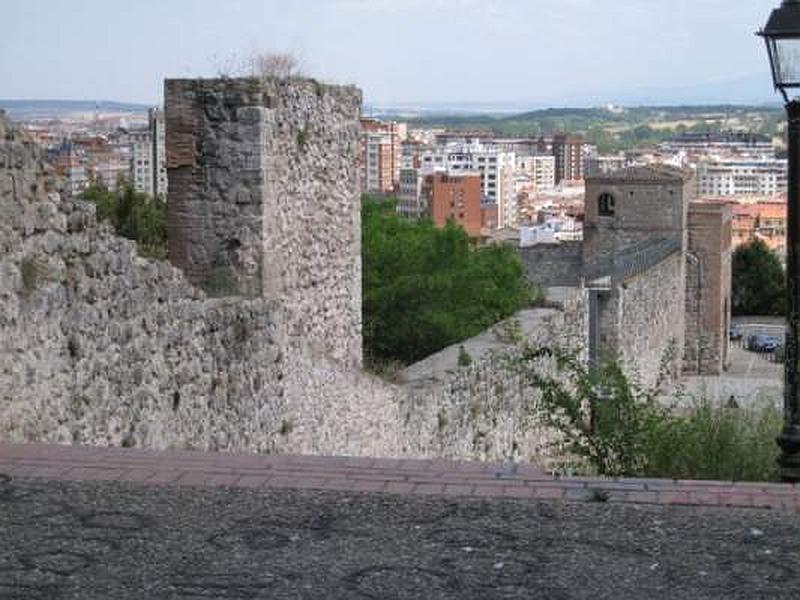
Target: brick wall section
{"points": [[264, 199], [456, 197], [708, 288]]}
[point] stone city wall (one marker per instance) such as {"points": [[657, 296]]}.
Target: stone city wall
{"points": [[647, 313], [548, 265], [99, 346], [264, 199], [485, 410], [708, 288]]}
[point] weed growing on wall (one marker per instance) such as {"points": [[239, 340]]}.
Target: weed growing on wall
{"points": [[464, 357], [615, 427], [33, 272]]}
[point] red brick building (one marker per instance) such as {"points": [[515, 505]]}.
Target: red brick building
{"points": [[456, 197]]}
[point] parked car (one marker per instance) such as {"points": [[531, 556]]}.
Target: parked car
{"points": [[762, 343], [734, 333]]}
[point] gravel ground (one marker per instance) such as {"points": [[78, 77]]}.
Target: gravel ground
{"points": [[117, 540]]}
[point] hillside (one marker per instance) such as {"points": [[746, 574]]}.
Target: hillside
{"points": [[618, 128]]}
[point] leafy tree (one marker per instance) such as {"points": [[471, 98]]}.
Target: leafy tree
{"points": [[133, 215], [426, 288], [758, 281]]}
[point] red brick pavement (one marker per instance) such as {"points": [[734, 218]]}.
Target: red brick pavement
{"points": [[391, 476]]}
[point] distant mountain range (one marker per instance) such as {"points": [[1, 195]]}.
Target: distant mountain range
{"points": [[29, 109], [753, 90]]}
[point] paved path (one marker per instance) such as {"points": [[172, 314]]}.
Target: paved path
{"points": [[416, 477], [120, 523]]}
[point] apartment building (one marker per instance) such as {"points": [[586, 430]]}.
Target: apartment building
{"points": [[412, 203], [760, 220], [495, 167], [457, 198], [381, 155], [741, 176], [148, 168], [606, 164], [739, 143], [540, 169], [568, 151]]}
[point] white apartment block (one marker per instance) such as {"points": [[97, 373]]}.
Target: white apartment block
{"points": [[605, 164], [730, 143], [378, 150], [495, 167], [148, 156], [733, 177], [541, 171], [411, 202]]}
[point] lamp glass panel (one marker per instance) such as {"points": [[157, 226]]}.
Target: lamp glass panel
{"points": [[786, 55]]}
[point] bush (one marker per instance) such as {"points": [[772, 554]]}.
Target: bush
{"points": [[605, 419], [464, 358], [715, 442], [133, 215], [615, 427]]}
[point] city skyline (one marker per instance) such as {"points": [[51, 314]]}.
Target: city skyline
{"points": [[556, 52]]}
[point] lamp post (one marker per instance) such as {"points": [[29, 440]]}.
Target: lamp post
{"points": [[782, 35]]}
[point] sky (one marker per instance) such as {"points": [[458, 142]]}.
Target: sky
{"points": [[553, 52]]}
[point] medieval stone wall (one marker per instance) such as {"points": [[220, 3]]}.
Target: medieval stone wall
{"points": [[264, 199], [641, 322], [549, 265], [649, 310], [485, 410], [99, 346], [708, 288]]}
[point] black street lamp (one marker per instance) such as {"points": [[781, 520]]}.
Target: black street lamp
{"points": [[782, 35]]}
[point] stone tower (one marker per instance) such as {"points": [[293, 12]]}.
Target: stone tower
{"points": [[634, 255], [264, 200], [635, 206]]}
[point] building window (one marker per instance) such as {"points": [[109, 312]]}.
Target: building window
{"points": [[605, 205]]}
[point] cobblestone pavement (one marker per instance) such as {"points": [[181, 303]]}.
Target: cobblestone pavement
{"points": [[192, 525]]}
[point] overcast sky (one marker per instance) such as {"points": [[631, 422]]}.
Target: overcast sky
{"points": [[557, 51]]}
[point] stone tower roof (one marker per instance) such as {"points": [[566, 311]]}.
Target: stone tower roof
{"points": [[644, 174]]}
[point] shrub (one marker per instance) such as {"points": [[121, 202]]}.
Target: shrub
{"points": [[220, 282], [715, 442], [133, 215], [464, 358], [758, 281], [33, 272], [616, 427]]}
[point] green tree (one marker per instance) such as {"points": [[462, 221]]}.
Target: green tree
{"points": [[426, 288], [133, 215], [758, 281]]}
